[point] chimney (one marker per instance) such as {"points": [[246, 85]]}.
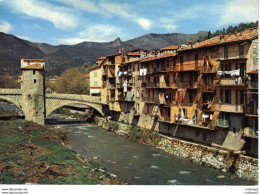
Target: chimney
{"points": [[120, 51], [221, 38], [123, 50]]}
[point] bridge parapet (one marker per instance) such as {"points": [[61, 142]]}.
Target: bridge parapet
{"points": [[75, 97], [4, 91]]}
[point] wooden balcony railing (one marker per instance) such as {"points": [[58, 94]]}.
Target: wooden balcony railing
{"points": [[222, 123], [251, 110], [235, 54]]}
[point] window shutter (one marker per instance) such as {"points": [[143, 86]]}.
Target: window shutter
{"points": [[221, 96]]}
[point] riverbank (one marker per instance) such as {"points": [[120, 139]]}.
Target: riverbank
{"points": [[226, 161], [33, 154]]}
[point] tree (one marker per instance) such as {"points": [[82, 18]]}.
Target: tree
{"points": [[72, 81], [8, 82]]}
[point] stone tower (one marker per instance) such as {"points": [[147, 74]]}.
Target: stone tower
{"points": [[33, 90]]}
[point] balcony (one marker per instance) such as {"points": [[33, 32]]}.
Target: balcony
{"points": [[164, 119], [252, 110], [222, 123], [153, 85], [151, 100], [187, 67], [231, 82], [230, 108], [235, 54], [105, 72], [253, 85], [207, 88], [188, 84], [209, 69], [165, 85], [250, 132]]}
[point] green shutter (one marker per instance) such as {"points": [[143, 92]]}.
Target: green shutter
{"points": [[241, 51], [221, 96]]}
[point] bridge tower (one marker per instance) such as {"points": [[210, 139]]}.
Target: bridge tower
{"points": [[33, 90]]}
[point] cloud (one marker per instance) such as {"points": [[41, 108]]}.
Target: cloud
{"points": [[238, 11], [144, 23], [5, 26], [94, 33], [168, 24], [85, 5], [61, 17], [124, 10]]}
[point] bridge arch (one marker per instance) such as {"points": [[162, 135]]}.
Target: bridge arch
{"points": [[13, 101], [54, 104]]}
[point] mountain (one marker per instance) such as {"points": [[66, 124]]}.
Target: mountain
{"points": [[61, 57], [156, 41]]}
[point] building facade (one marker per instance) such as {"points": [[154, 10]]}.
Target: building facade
{"points": [[205, 92]]}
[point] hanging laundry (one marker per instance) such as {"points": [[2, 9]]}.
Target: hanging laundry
{"points": [[141, 72], [144, 71], [239, 80], [125, 86], [205, 116], [220, 72], [234, 72]]}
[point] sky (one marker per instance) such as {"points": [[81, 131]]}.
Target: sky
{"points": [[74, 21]]}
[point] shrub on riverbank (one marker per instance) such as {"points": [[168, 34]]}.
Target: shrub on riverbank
{"points": [[35, 154]]}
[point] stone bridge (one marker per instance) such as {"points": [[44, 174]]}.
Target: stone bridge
{"points": [[32, 99], [52, 103]]}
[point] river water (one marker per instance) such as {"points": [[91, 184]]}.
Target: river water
{"points": [[136, 163]]}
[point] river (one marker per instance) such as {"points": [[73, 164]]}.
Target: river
{"points": [[136, 163]]}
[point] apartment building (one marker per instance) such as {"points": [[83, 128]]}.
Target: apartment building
{"points": [[204, 91]]}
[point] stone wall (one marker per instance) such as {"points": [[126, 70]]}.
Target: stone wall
{"points": [[226, 161]]}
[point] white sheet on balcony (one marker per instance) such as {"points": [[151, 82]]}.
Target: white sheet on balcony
{"points": [[94, 91], [187, 121]]}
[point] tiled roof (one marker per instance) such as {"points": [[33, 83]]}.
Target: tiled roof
{"points": [[221, 39], [253, 72], [159, 57], [34, 66], [170, 47], [95, 67], [133, 54], [101, 58]]}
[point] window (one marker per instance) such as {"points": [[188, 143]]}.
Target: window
{"points": [[181, 60], [228, 96], [221, 96], [237, 96], [191, 78], [34, 81], [241, 51], [33, 72], [167, 63], [181, 77], [191, 96], [228, 68], [95, 74], [225, 52]]}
